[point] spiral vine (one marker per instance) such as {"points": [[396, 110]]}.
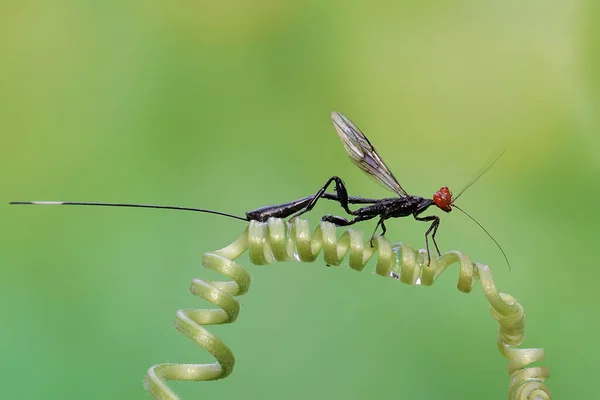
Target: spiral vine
{"points": [[277, 240]]}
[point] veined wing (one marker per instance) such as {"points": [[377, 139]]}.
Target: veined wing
{"points": [[363, 154]]}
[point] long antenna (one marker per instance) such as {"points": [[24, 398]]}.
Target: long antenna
{"points": [[479, 176], [78, 203], [485, 230]]}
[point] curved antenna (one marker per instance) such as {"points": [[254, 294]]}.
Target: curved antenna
{"points": [[79, 203], [485, 230], [479, 176]]}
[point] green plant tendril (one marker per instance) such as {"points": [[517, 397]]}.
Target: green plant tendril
{"points": [[277, 240]]}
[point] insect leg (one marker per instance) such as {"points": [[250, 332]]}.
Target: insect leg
{"points": [[342, 196], [351, 199], [383, 230], [437, 224], [341, 221], [434, 226]]}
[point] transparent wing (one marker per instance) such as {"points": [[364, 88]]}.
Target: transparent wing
{"points": [[363, 154]]}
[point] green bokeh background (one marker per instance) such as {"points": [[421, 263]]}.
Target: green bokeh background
{"points": [[226, 105]]}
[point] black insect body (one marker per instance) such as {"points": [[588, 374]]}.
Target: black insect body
{"points": [[300, 206], [363, 155]]}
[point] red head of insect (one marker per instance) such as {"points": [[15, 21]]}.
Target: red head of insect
{"points": [[443, 199]]}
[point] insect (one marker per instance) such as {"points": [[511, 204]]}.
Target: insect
{"points": [[363, 154]]}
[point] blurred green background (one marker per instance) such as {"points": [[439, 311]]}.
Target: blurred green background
{"points": [[226, 105]]}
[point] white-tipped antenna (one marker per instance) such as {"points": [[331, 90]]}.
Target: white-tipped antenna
{"points": [[479, 176], [79, 203]]}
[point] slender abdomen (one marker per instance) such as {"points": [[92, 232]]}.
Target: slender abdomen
{"points": [[262, 214]]}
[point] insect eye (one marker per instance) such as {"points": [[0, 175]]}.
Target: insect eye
{"points": [[443, 199]]}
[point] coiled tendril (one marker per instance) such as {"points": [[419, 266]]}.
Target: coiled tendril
{"points": [[277, 240]]}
